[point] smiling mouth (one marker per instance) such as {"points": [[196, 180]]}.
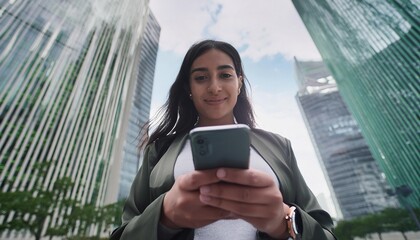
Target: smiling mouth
{"points": [[215, 101]]}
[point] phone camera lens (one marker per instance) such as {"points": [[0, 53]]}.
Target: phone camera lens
{"points": [[200, 141]]}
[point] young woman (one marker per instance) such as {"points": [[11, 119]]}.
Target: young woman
{"points": [[170, 200]]}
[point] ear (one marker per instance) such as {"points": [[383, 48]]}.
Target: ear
{"points": [[240, 84], [241, 81]]}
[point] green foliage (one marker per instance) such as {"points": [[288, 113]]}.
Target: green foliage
{"points": [[30, 209], [388, 220], [107, 217]]}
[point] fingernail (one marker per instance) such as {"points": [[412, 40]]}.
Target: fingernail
{"points": [[204, 198], [221, 173], [204, 189]]}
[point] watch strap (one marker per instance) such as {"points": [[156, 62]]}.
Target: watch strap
{"points": [[291, 222]]}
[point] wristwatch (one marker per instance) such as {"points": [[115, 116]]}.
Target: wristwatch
{"points": [[292, 219], [291, 223]]}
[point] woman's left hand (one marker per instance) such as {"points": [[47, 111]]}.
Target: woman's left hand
{"points": [[251, 195]]}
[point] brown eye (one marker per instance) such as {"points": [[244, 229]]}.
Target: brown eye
{"points": [[200, 78], [226, 75]]}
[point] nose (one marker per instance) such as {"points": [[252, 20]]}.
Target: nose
{"points": [[214, 87]]}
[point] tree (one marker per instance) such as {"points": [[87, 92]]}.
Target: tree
{"points": [[30, 209], [398, 220], [89, 215], [111, 215], [344, 230], [388, 220], [84, 216]]}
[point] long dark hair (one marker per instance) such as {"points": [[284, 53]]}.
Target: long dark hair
{"points": [[179, 113]]}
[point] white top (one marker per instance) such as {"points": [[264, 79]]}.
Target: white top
{"points": [[222, 229]]}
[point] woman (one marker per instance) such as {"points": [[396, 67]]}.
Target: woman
{"points": [[169, 200]]}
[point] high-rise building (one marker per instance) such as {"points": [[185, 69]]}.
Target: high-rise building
{"points": [[68, 73], [357, 185], [138, 114], [371, 49]]}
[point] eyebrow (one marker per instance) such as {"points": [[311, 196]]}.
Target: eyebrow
{"points": [[221, 67]]}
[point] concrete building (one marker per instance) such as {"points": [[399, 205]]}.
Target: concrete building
{"points": [[139, 112], [68, 77], [357, 185]]}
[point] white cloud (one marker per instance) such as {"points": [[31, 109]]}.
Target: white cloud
{"points": [[278, 112], [260, 30], [183, 22]]}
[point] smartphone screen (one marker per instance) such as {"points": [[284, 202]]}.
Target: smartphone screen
{"points": [[220, 146]]}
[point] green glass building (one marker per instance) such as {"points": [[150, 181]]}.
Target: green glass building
{"points": [[357, 185], [371, 48]]}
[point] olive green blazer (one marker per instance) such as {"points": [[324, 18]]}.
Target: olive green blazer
{"points": [[156, 176]]}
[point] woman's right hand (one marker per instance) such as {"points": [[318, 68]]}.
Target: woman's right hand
{"points": [[182, 207]]}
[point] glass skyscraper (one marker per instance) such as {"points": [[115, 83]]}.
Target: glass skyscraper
{"points": [[68, 73], [371, 48], [357, 185], [138, 114]]}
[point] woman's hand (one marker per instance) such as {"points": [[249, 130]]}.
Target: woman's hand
{"points": [[251, 195], [182, 207]]}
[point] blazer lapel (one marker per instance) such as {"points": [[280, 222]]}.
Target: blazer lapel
{"points": [[162, 175], [272, 155]]}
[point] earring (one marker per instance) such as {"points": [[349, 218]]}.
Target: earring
{"points": [[190, 95]]}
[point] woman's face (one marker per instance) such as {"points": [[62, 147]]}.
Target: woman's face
{"points": [[214, 88]]}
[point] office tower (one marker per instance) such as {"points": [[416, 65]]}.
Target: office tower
{"points": [[356, 183], [139, 113], [66, 69], [371, 49]]}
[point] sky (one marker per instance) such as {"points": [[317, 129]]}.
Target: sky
{"points": [[268, 36]]}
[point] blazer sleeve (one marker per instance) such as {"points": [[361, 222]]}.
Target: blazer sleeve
{"points": [[141, 214], [315, 222]]}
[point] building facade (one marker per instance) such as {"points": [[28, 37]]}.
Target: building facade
{"points": [[371, 49], [139, 113], [357, 185], [66, 71]]}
